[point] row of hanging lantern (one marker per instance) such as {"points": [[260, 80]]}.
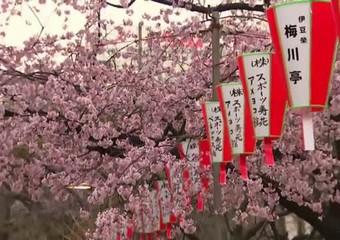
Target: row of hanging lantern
{"points": [[295, 77]]}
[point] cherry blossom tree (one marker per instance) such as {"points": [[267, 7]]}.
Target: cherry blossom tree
{"points": [[78, 108]]}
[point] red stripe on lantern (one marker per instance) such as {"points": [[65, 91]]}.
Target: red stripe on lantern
{"points": [[249, 133], [276, 44], [129, 232], [243, 167], [336, 15], [168, 231], [322, 53], [223, 174], [200, 202], [279, 96], [204, 152], [268, 152], [205, 183], [246, 95]]}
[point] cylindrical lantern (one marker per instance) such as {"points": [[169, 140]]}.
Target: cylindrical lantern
{"points": [[265, 89], [336, 15], [165, 203], [215, 129], [303, 35], [189, 151], [238, 120]]}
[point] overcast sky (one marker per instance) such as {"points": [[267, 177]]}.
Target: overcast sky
{"points": [[18, 30]]}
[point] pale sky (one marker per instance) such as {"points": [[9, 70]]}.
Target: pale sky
{"points": [[18, 30]]}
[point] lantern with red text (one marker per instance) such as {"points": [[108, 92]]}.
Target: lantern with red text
{"points": [[220, 149], [265, 89], [238, 120], [336, 15], [303, 35]]}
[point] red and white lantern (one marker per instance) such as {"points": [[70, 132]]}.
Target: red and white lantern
{"points": [[220, 149], [189, 151], [265, 89], [238, 120], [166, 205], [336, 15], [303, 35]]}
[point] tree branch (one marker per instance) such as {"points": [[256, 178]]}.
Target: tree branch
{"points": [[252, 230], [202, 9], [120, 6]]}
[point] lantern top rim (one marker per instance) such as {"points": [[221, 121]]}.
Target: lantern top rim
{"points": [[276, 5], [256, 53]]}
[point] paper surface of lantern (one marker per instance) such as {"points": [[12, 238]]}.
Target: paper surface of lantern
{"points": [[265, 88], [303, 34], [213, 121], [238, 119], [336, 15], [220, 149]]}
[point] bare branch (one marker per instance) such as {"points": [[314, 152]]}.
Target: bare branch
{"points": [[120, 6]]}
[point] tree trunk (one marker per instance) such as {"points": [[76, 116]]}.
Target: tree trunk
{"points": [[5, 211], [331, 223]]}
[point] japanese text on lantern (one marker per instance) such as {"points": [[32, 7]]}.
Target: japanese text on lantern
{"points": [[296, 31], [257, 72], [191, 150], [216, 131], [234, 103], [294, 28]]}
